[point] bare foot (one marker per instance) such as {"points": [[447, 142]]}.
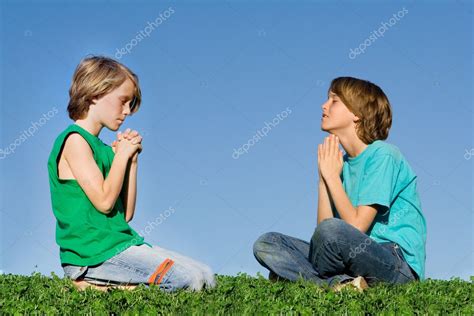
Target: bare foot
{"points": [[82, 285], [125, 287], [358, 284]]}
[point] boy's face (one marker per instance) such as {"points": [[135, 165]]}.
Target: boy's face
{"points": [[114, 107], [336, 117]]}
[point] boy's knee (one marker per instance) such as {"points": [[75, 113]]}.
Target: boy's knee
{"points": [[208, 275], [265, 242], [328, 229], [186, 277]]}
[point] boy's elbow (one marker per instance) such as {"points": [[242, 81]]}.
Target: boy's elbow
{"points": [[360, 225], [362, 229], [105, 207]]}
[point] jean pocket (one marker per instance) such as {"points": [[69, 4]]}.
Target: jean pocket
{"points": [[74, 272], [402, 266]]}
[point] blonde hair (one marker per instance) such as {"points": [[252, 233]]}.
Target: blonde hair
{"points": [[369, 103], [94, 77]]}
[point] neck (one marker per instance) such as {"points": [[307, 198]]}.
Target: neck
{"points": [[92, 127], [352, 144]]}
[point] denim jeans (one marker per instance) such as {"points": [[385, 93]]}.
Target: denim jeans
{"points": [[146, 265], [336, 253]]}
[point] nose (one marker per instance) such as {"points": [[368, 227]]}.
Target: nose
{"points": [[324, 106], [126, 110]]}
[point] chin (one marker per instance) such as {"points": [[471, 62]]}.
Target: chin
{"points": [[114, 126]]}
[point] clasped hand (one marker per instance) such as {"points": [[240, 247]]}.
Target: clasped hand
{"points": [[128, 142], [330, 159]]}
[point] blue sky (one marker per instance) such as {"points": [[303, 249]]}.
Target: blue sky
{"points": [[212, 74]]}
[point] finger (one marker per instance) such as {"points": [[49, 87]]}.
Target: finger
{"points": [[126, 132], [335, 149], [133, 134], [137, 140], [331, 146], [119, 135], [325, 147], [138, 137], [129, 135]]}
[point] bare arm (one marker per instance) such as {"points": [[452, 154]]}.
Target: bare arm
{"points": [[360, 217], [129, 193], [130, 190], [324, 199], [330, 163], [324, 202], [102, 193]]}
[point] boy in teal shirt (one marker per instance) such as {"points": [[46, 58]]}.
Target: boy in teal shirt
{"points": [[370, 224]]}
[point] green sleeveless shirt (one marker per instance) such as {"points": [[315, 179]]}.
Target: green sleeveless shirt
{"points": [[84, 234]]}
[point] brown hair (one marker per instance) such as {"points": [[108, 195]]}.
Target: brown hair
{"points": [[369, 103], [94, 77]]}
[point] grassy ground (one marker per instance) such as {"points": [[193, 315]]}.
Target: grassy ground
{"points": [[234, 295]]}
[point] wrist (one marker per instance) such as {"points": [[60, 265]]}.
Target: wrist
{"points": [[331, 180], [122, 157]]}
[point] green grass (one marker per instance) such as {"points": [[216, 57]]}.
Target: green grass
{"points": [[39, 294]]}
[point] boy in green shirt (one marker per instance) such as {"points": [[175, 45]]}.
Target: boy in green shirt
{"points": [[370, 227], [93, 190]]}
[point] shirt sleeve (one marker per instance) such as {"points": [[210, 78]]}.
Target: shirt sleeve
{"points": [[379, 181]]}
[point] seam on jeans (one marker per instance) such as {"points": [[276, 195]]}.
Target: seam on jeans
{"points": [[124, 264], [395, 266], [275, 242], [387, 265], [334, 241], [402, 262]]}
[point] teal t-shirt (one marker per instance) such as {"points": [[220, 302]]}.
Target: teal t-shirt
{"points": [[381, 175]]}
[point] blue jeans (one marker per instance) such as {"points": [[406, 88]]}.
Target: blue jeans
{"points": [[146, 265], [336, 253]]}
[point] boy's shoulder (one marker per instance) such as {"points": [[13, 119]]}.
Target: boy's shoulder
{"points": [[91, 139], [376, 150], [59, 141], [382, 148]]}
